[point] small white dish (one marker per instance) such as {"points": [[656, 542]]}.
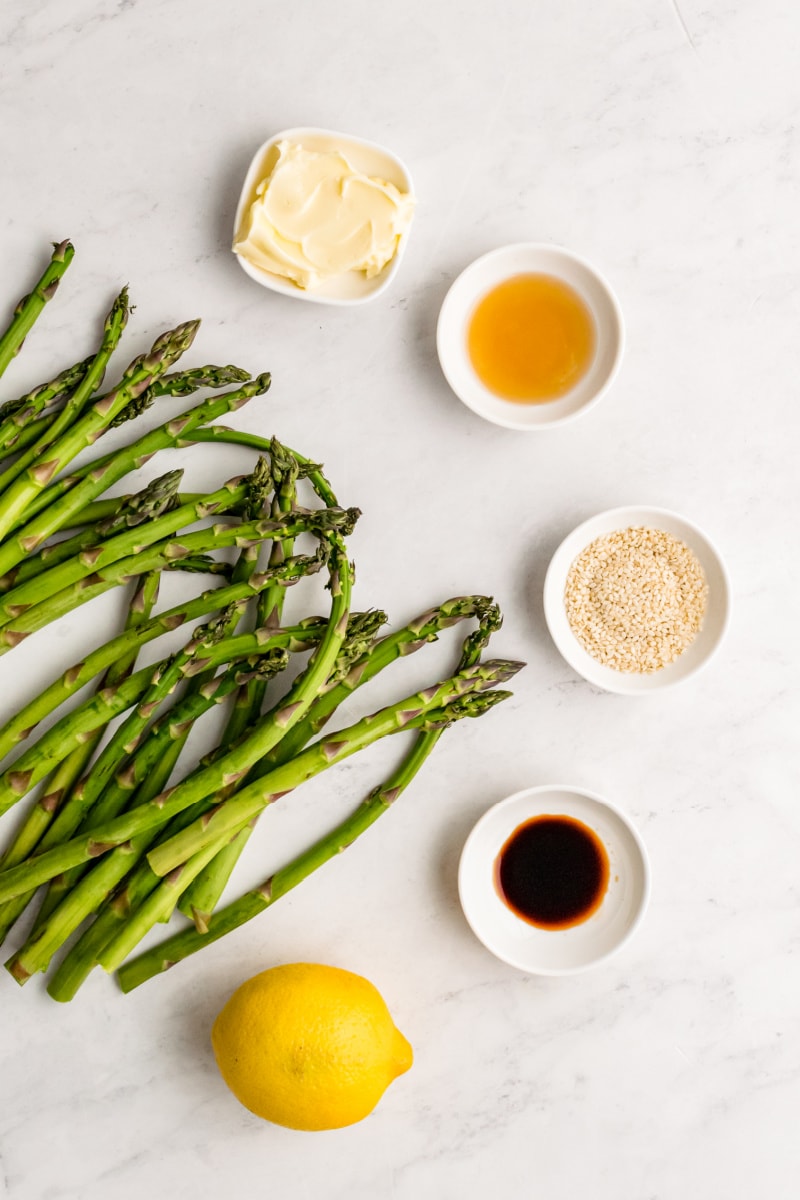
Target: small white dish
{"points": [[489, 271], [706, 641], [554, 951], [353, 287]]}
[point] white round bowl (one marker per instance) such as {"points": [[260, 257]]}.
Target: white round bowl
{"points": [[554, 951], [353, 287], [487, 272], [705, 643]]}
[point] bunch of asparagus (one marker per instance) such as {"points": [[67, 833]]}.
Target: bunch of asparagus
{"points": [[122, 826]]}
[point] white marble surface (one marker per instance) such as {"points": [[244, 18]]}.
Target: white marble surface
{"points": [[660, 139]]}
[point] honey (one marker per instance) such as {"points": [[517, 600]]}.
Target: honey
{"points": [[531, 339]]}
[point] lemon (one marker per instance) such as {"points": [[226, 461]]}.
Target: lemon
{"points": [[308, 1046]]}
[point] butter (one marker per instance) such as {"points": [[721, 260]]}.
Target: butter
{"points": [[315, 217]]}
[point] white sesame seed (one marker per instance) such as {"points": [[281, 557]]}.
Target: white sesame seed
{"points": [[635, 599]]}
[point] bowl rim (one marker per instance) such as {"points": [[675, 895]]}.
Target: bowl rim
{"points": [[283, 287], [582, 535], [601, 801], [508, 420]]}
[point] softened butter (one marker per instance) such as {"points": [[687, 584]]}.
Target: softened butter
{"points": [[315, 216]]}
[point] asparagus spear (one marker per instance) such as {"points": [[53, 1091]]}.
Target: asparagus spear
{"points": [[256, 796], [172, 552], [29, 307], [125, 740], [144, 371], [68, 733], [251, 799], [201, 897], [81, 901], [425, 713], [123, 869], [29, 433], [209, 883], [360, 664], [93, 558], [244, 708], [163, 746], [174, 949], [159, 496], [54, 508], [366, 665], [58, 789], [97, 511], [177, 722], [113, 327], [116, 864], [161, 902], [96, 887], [157, 499], [352, 670], [16, 415], [285, 470], [22, 724], [186, 942], [181, 383], [83, 956]]}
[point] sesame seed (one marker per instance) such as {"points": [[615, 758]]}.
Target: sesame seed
{"points": [[635, 599]]}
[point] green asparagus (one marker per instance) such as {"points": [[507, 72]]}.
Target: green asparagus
{"points": [[29, 307]]}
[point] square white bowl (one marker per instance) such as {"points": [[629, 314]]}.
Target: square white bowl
{"points": [[715, 619], [352, 287], [486, 273]]}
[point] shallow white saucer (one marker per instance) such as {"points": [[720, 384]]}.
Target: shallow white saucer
{"points": [[484, 274], [554, 951]]}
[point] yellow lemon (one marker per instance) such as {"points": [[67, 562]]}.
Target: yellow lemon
{"points": [[308, 1046]]}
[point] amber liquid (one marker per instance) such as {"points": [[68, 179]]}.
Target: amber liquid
{"points": [[531, 339], [553, 872]]}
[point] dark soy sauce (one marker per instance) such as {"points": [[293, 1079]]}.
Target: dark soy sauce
{"points": [[552, 872]]}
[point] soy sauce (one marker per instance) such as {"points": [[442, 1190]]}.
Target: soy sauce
{"points": [[552, 872]]}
